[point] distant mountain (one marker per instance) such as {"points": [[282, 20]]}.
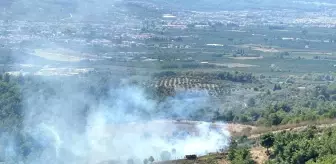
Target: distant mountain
{"points": [[217, 5], [95, 10], [57, 9]]}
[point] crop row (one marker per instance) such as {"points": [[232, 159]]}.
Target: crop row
{"points": [[190, 84]]}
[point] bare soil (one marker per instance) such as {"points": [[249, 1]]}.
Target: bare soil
{"points": [[247, 58]]}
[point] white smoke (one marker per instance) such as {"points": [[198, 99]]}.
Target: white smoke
{"points": [[116, 129], [59, 129]]}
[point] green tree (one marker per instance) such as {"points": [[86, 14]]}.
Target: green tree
{"points": [[267, 141], [268, 92], [310, 132], [232, 149], [333, 98], [303, 146], [243, 156], [10, 107], [151, 159], [6, 77], [329, 159], [251, 102], [276, 87], [273, 119], [229, 115]]}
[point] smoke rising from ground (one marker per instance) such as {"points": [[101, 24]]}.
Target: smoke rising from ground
{"points": [[123, 125]]}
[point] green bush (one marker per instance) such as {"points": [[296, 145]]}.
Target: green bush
{"points": [[307, 146]]}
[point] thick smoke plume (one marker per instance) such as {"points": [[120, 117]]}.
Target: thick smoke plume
{"points": [[124, 125]]}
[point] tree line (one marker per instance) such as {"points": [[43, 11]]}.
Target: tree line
{"points": [[285, 105], [310, 146]]}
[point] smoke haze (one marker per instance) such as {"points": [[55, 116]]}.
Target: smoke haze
{"points": [[65, 124], [124, 125]]}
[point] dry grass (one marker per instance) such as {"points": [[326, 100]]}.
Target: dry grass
{"points": [[240, 129], [246, 58], [261, 48], [234, 65], [217, 158], [256, 132], [58, 56], [259, 155], [264, 49]]}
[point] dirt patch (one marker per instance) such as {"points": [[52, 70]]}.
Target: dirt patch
{"points": [[211, 158], [319, 53], [259, 48], [240, 129], [247, 58], [264, 49], [259, 155], [258, 131], [234, 65], [57, 56]]}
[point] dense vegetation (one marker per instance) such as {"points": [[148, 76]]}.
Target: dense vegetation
{"points": [[238, 154], [270, 108], [286, 106], [311, 145], [274, 104], [10, 105]]}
